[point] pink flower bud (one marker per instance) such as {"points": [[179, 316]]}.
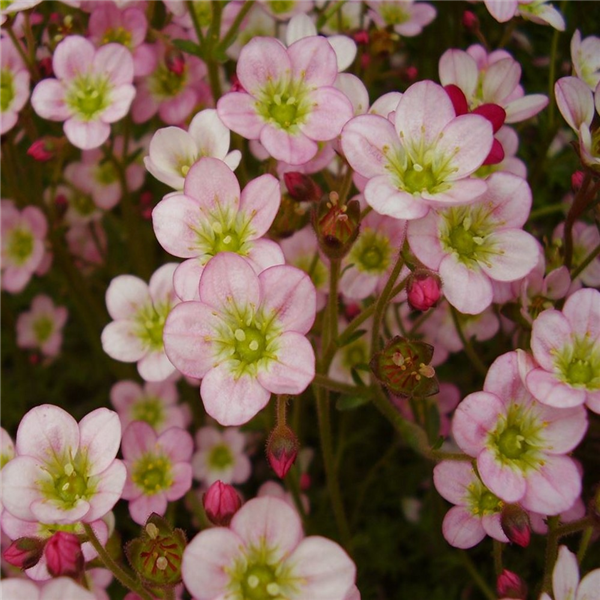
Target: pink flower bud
{"points": [[515, 524], [175, 62], [221, 502], [510, 585], [301, 187], [63, 554], [470, 20], [411, 73], [42, 150], [423, 289], [282, 449], [305, 482], [361, 37], [577, 180], [24, 553]]}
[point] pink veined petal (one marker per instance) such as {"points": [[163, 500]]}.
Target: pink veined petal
{"points": [[212, 183], [124, 393], [125, 295], [100, 437], [504, 378], [354, 89], [121, 99], [357, 284], [265, 253], [134, 21], [177, 443], [564, 429], [589, 586], [493, 527], [209, 134], [160, 285], [182, 481], [207, 560], [186, 279], [187, 337], [474, 418], [503, 479], [143, 506], [423, 112], [289, 294], [515, 253], [114, 61], [138, 439], [458, 193], [549, 390], [575, 101], [229, 400], [330, 111], [108, 491], [387, 199], [452, 479], [63, 587], [461, 529], [121, 342], [582, 310], [49, 512], [511, 199], [260, 201], [48, 100], [293, 368], [524, 108], [551, 332], [593, 401], [500, 79], [170, 148], [262, 60], [72, 57], [177, 109], [20, 486], [238, 111], [554, 487], [228, 281], [468, 290], [501, 10], [565, 576], [367, 140], [424, 240], [326, 571], [270, 521], [241, 470], [292, 148], [86, 134], [459, 68], [155, 366], [313, 61]]}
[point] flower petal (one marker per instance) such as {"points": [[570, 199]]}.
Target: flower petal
{"points": [[100, 438], [461, 529]]}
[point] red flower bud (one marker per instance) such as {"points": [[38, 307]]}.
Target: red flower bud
{"points": [[515, 524], [361, 37], [43, 149], [282, 449], [305, 482], [336, 225], [470, 20], [175, 62], [577, 180], [424, 289], [221, 502], [24, 553], [63, 554], [301, 187], [510, 585]]}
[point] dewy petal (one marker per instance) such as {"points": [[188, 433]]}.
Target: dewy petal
{"points": [[452, 479], [314, 61], [114, 61], [474, 418], [575, 101], [582, 310], [125, 295], [459, 68], [330, 111], [269, 521], [121, 342], [294, 367], [289, 295], [551, 332], [326, 571], [515, 254], [188, 338], [238, 112], [468, 290], [229, 400], [100, 437], [207, 560], [260, 201], [48, 100], [500, 80], [502, 479], [263, 60], [86, 135], [292, 148], [387, 199], [461, 529], [209, 134], [213, 184], [155, 366], [72, 57], [565, 576], [423, 112]]}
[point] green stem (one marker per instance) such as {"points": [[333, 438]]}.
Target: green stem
{"points": [[123, 576], [230, 36], [281, 409], [196, 23], [585, 542], [497, 549], [330, 332], [551, 553], [584, 264], [477, 578], [32, 68], [468, 347], [293, 485], [545, 211], [198, 509], [339, 386]]}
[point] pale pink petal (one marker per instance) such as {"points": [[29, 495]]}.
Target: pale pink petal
{"points": [[121, 99], [263, 60], [345, 51], [138, 439], [452, 480], [330, 111], [21, 477], [46, 511], [121, 342], [589, 588], [233, 159], [186, 279], [48, 100], [155, 366], [468, 290], [290, 296], [493, 527], [515, 253], [502, 478], [563, 429], [314, 61], [292, 148], [229, 400], [524, 108], [125, 295], [565, 576], [213, 184], [107, 492], [575, 101], [357, 284], [474, 418], [100, 437], [501, 10], [170, 149], [72, 57], [504, 377], [238, 112], [550, 334], [143, 506], [546, 388], [461, 529], [582, 310], [387, 199], [500, 79], [160, 285], [182, 481], [458, 193], [209, 134], [424, 240], [511, 199], [177, 109], [114, 61], [86, 134], [264, 254], [458, 68], [19, 589], [177, 443], [260, 201]]}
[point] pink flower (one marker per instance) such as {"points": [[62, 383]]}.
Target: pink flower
{"points": [[246, 337], [565, 579], [585, 239], [92, 90], [42, 326], [289, 101], [139, 311], [64, 471], [473, 245], [211, 216], [423, 159], [585, 55], [263, 554], [158, 468], [15, 85], [519, 443], [537, 11], [405, 16], [566, 346], [23, 234], [62, 587]]}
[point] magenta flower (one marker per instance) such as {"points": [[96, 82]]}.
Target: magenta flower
{"points": [[64, 471], [405, 16], [92, 90], [15, 85], [41, 327], [289, 101], [566, 345], [263, 555], [423, 159], [519, 443], [211, 216], [158, 468], [471, 246], [246, 337], [585, 55]]}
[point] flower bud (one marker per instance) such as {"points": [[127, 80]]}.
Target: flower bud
{"points": [[577, 180], [24, 552], [336, 225], [282, 449], [63, 555], [361, 37], [43, 149], [403, 367], [470, 20], [175, 62], [514, 521], [424, 289], [221, 502], [301, 187], [510, 585]]}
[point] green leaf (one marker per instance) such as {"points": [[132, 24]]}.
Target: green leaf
{"points": [[356, 378], [356, 335], [351, 402], [189, 47]]}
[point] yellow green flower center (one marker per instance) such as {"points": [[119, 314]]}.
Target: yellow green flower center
{"points": [[150, 324], [7, 89], [150, 410], [152, 474], [120, 35], [20, 245], [371, 252], [43, 328], [88, 96], [165, 83], [220, 457]]}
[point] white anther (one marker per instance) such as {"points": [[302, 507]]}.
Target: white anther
{"points": [[467, 223], [398, 359], [273, 589], [417, 167], [227, 239], [277, 99], [162, 563], [152, 530], [253, 581], [253, 345], [217, 227], [69, 469], [291, 100], [65, 487], [478, 240], [239, 335]]}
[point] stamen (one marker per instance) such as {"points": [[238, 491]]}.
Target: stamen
{"points": [[217, 227], [162, 563], [69, 469], [152, 530], [417, 167], [426, 370], [227, 239], [253, 581], [253, 345], [467, 223], [273, 589], [240, 335]]}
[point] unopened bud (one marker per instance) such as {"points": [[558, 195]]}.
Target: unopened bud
{"points": [[63, 555], [577, 180], [470, 20], [514, 521], [361, 37], [336, 225], [301, 187], [175, 62], [510, 585], [424, 289], [282, 449], [43, 149], [221, 502], [24, 552]]}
